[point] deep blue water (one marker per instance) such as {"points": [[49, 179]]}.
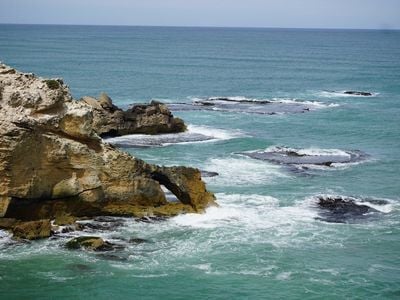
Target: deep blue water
{"points": [[264, 240]]}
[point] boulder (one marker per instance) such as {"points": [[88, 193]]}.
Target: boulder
{"points": [[89, 243], [153, 118], [53, 163], [33, 230]]}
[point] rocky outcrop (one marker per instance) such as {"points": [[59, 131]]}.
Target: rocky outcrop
{"points": [[153, 118], [53, 164]]}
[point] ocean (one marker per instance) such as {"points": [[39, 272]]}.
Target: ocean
{"points": [[268, 239]]}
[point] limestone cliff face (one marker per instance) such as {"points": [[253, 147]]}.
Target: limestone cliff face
{"points": [[53, 163], [153, 118]]}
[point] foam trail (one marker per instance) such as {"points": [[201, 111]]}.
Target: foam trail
{"points": [[242, 171], [249, 212], [194, 134]]}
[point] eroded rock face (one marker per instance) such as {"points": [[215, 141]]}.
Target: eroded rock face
{"points": [[185, 183], [153, 118], [52, 162]]}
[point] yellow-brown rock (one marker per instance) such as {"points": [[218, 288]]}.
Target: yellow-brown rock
{"points": [[186, 184], [32, 230], [89, 243], [53, 163]]}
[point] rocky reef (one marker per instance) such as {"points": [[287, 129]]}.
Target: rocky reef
{"points": [[153, 118], [53, 163], [249, 105], [305, 159]]}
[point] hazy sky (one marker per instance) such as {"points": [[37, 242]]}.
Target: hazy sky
{"points": [[381, 14]]}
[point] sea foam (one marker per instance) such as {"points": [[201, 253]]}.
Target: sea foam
{"points": [[194, 134]]}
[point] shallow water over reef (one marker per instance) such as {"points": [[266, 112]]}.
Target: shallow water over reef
{"points": [[279, 93]]}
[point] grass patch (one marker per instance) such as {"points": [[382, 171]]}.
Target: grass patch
{"points": [[52, 84]]}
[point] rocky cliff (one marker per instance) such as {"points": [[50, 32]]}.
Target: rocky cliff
{"points": [[53, 163], [153, 118]]}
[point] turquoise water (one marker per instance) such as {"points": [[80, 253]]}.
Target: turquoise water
{"points": [[264, 240]]}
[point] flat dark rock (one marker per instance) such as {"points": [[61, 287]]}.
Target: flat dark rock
{"points": [[244, 105], [357, 93], [340, 209], [288, 156]]}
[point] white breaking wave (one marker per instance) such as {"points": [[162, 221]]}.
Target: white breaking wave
{"points": [[262, 212], [311, 158], [341, 94], [216, 134], [249, 212], [242, 99], [313, 151], [242, 171], [314, 104]]}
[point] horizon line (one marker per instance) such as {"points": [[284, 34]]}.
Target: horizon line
{"points": [[204, 26]]}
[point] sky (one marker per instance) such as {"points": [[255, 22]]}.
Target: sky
{"points": [[358, 14]]}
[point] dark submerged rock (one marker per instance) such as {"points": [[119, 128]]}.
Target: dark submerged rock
{"points": [[208, 173], [151, 219], [112, 257], [80, 267], [357, 93], [137, 241]]}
